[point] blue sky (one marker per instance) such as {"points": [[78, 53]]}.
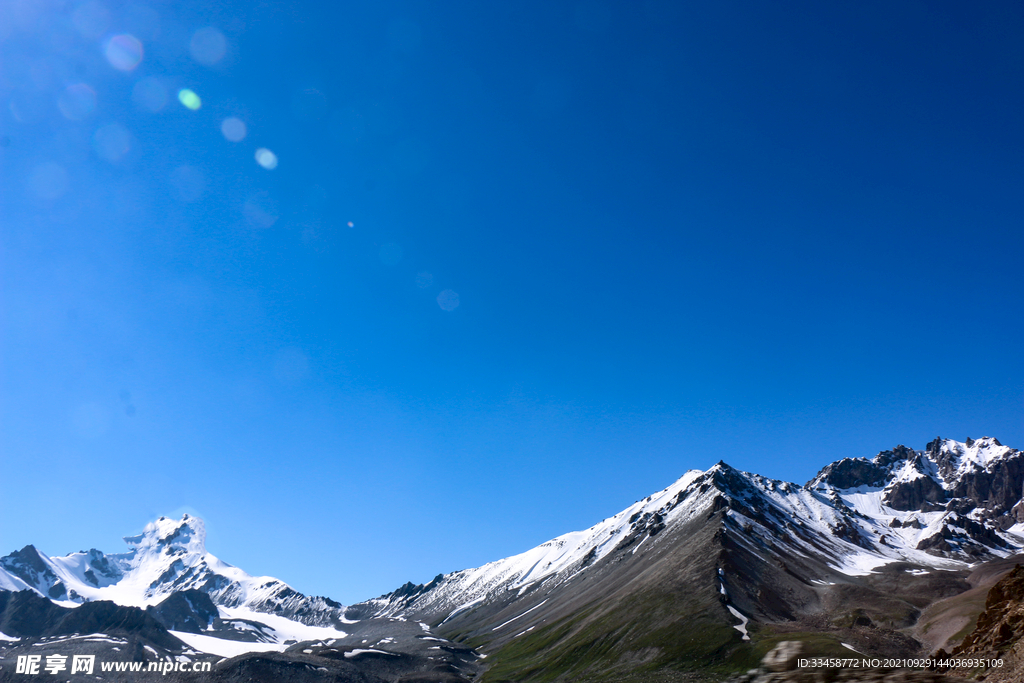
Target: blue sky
{"points": [[518, 264]]}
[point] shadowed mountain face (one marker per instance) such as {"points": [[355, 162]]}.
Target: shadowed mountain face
{"points": [[694, 582], [25, 614]]}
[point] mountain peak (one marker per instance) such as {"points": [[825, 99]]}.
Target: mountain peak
{"points": [[187, 534]]}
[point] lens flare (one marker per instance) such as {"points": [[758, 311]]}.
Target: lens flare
{"points": [[189, 99], [448, 300], [77, 102], [150, 94], [266, 158], [112, 142], [233, 129], [260, 210], [124, 52], [91, 19], [208, 46]]}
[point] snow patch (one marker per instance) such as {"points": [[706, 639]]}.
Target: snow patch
{"points": [[741, 627], [521, 615], [355, 653], [225, 648]]}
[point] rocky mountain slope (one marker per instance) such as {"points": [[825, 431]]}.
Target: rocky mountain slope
{"points": [[694, 582], [994, 649], [721, 564]]}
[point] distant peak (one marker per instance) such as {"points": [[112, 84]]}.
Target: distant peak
{"points": [[187, 533], [29, 554], [939, 446]]}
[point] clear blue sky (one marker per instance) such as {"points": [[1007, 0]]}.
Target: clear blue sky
{"points": [[771, 233]]}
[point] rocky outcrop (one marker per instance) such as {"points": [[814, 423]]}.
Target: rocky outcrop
{"points": [[998, 637], [28, 565], [851, 473], [190, 611], [915, 494], [1001, 625]]}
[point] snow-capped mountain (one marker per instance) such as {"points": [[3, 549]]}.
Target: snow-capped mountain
{"points": [[866, 541], [168, 600], [168, 558], [943, 507], [693, 575], [550, 562]]}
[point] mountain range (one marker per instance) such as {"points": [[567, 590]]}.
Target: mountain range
{"points": [[887, 556]]}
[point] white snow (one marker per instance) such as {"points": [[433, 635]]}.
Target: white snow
{"points": [[282, 629], [170, 556], [812, 510], [90, 638], [741, 627], [10, 582], [981, 454], [225, 648], [521, 615], [353, 653]]}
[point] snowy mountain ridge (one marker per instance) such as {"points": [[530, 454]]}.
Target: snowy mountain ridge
{"points": [[168, 557], [770, 547], [557, 559], [946, 507]]}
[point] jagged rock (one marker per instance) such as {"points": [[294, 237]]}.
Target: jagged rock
{"points": [[1000, 488], [28, 565], [853, 472], [1002, 623], [913, 494], [898, 454], [191, 611]]}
